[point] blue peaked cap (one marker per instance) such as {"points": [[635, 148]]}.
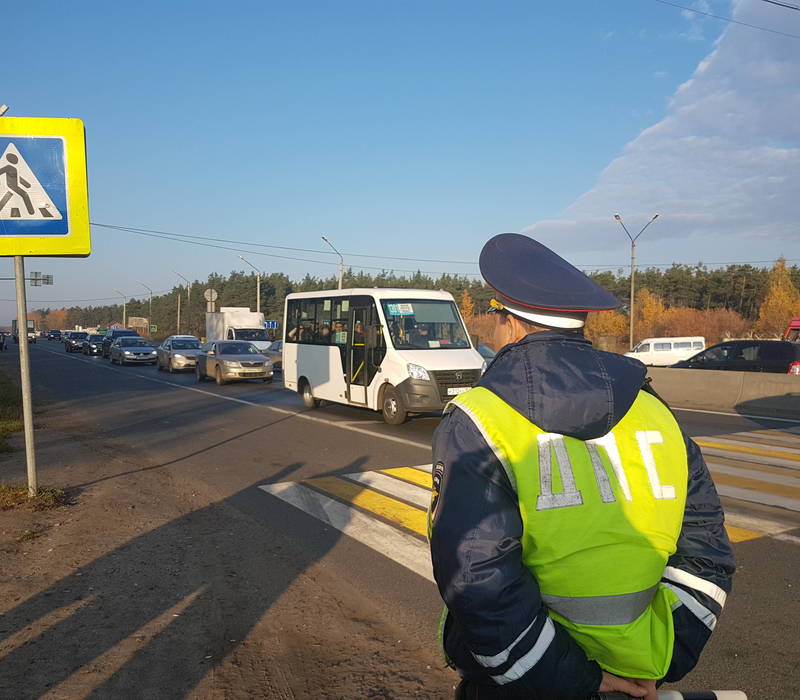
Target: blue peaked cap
{"points": [[529, 274]]}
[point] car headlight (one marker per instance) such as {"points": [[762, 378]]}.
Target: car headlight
{"points": [[93, 346], [484, 366], [231, 363], [154, 352], [127, 352], [417, 372], [178, 356]]}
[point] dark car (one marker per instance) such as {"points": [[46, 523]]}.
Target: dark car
{"points": [[74, 341], [777, 356], [111, 335], [93, 344], [54, 335], [127, 348]]}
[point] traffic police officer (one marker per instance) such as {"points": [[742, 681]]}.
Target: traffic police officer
{"points": [[576, 535]]}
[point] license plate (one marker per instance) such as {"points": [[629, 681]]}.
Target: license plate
{"points": [[455, 390]]}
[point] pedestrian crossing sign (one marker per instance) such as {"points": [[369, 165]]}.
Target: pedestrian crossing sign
{"points": [[44, 203]]}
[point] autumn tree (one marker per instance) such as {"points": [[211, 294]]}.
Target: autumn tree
{"points": [[780, 304], [466, 304], [608, 330]]}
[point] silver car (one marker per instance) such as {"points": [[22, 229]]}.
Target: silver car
{"points": [[178, 352], [132, 348], [230, 360], [275, 353]]}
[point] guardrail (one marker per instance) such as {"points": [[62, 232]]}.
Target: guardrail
{"points": [[748, 393]]}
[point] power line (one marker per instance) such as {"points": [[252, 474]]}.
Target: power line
{"points": [[728, 19], [782, 4], [132, 229]]}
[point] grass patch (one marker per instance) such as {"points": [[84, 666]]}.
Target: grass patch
{"points": [[10, 410], [45, 499], [29, 535]]}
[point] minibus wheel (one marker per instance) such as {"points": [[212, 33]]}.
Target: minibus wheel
{"points": [[394, 412], [308, 398]]}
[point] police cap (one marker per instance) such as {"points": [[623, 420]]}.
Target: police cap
{"points": [[537, 284]]}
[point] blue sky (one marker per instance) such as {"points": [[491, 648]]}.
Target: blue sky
{"points": [[415, 129]]}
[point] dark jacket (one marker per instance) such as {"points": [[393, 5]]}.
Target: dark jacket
{"points": [[497, 623]]}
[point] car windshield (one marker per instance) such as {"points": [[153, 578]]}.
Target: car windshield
{"points": [[94, 337], [237, 349], [78, 336], [251, 334], [135, 342], [187, 344], [424, 324]]}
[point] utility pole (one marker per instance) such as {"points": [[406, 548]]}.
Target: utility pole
{"points": [[341, 260], [150, 317], [188, 303], [258, 283], [633, 266], [124, 308]]}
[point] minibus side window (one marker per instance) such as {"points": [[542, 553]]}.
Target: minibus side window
{"points": [[662, 347]]}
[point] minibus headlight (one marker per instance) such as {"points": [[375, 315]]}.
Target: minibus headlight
{"points": [[417, 372], [484, 366]]}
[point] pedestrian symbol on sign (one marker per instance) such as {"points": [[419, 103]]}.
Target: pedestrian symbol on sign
{"points": [[21, 194]]}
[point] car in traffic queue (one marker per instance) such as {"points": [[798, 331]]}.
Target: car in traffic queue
{"points": [[178, 352], [778, 356], [74, 341], [111, 335], [93, 344], [132, 349], [274, 352], [232, 360], [54, 335]]}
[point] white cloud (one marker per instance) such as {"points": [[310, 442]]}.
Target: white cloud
{"points": [[722, 166]]}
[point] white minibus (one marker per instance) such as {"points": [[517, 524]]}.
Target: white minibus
{"points": [[397, 351], [662, 352]]}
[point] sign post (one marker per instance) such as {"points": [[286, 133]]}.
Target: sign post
{"points": [[44, 211]]}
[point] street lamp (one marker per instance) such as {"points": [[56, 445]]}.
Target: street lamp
{"points": [[341, 260], [150, 317], [124, 308], [188, 301], [258, 283], [633, 265]]}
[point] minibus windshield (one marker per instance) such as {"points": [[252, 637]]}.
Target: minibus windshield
{"points": [[424, 324]]}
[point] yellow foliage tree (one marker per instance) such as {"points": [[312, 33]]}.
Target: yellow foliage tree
{"points": [[781, 303], [466, 304], [649, 310], [608, 330]]}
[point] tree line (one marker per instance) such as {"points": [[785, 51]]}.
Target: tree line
{"points": [[735, 294]]}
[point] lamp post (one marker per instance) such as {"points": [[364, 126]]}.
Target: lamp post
{"points": [[188, 302], [124, 308], [150, 317], [258, 283], [341, 260], [633, 265]]}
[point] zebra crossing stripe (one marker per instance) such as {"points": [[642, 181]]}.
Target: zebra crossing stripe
{"points": [[739, 446], [411, 475]]}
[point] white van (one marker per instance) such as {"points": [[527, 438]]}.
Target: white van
{"points": [[662, 352], [397, 351]]}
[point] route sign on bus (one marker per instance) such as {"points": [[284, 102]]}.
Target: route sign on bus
{"points": [[44, 202]]}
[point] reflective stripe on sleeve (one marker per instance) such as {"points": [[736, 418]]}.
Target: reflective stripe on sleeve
{"points": [[699, 611], [699, 584], [502, 657], [529, 660]]}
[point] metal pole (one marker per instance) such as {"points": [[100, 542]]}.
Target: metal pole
{"points": [[258, 292], [341, 260], [633, 274], [25, 375], [178, 324]]}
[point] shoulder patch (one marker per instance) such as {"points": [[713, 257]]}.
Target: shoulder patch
{"points": [[438, 474]]}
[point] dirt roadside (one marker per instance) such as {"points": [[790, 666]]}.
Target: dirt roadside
{"points": [[142, 587]]}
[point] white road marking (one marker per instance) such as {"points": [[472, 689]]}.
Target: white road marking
{"points": [[389, 541], [755, 475], [752, 445], [752, 496], [788, 538], [393, 487]]}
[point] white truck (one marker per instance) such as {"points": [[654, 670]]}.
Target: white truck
{"points": [[237, 323]]}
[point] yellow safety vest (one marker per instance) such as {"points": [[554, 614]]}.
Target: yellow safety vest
{"points": [[600, 519]]}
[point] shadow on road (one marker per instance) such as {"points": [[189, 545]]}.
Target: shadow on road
{"points": [[227, 563]]}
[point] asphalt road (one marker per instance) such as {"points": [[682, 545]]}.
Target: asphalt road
{"points": [[244, 442]]}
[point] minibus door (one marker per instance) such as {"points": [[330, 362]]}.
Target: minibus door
{"points": [[357, 371]]}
